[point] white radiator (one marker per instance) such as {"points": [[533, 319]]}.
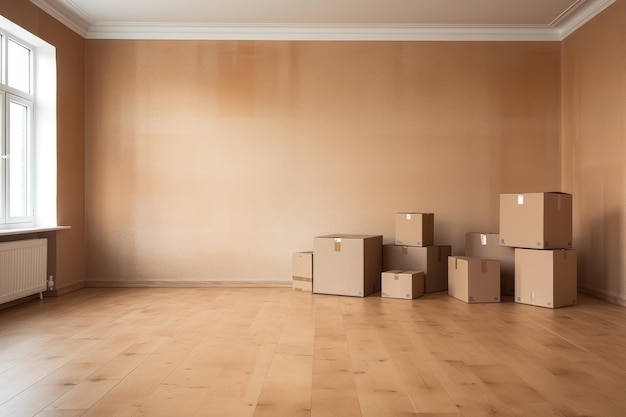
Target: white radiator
{"points": [[23, 268]]}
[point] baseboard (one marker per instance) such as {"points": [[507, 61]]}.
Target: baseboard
{"points": [[188, 284], [604, 295], [64, 290]]}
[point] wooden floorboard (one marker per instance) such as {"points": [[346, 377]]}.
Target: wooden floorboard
{"points": [[253, 352]]}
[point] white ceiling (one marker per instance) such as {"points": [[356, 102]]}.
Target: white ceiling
{"points": [[325, 19]]}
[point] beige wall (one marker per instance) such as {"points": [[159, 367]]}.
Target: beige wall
{"points": [[594, 137], [70, 49], [217, 160]]}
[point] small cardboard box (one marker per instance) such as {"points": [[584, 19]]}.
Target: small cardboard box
{"points": [[432, 260], [474, 280], [347, 264], [546, 278], [487, 246], [415, 229], [402, 284], [302, 271], [536, 220]]}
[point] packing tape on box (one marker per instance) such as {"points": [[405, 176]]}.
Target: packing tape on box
{"points": [[405, 250], [483, 239], [408, 216], [338, 244], [483, 267], [520, 199], [303, 279]]}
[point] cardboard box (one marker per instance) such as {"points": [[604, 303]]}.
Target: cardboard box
{"points": [[474, 280], [487, 246], [302, 271], [546, 278], [432, 260], [347, 264], [402, 284], [415, 229], [536, 220]]}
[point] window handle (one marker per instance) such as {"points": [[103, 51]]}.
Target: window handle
{"points": [[5, 156]]}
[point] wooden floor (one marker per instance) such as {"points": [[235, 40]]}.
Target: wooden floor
{"points": [[272, 352]]}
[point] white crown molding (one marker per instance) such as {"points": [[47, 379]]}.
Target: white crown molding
{"points": [[67, 13], [586, 12], [322, 33], [70, 18]]}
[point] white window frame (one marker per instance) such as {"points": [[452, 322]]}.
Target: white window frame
{"points": [[26, 99], [42, 127], [2, 156]]}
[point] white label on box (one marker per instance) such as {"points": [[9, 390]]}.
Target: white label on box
{"points": [[520, 199], [483, 240]]}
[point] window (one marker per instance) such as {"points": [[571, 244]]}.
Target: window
{"points": [[15, 122], [27, 129]]}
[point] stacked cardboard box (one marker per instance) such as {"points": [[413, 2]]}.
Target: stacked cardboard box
{"points": [[302, 271], [539, 227], [347, 264], [487, 246], [415, 229], [415, 250], [546, 277], [474, 280]]}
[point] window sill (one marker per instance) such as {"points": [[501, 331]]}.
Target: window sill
{"points": [[34, 229]]}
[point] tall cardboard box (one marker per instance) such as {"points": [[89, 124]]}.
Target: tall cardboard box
{"points": [[415, 229], [302, 271], [487, 246], [402, 284], [536, 220], [347, 264], [474, 280], [432, 260], [546, 278]]}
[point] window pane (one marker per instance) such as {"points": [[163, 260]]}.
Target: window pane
{"points": [[2, 59], [3, 161], [18, 161], [18, 71]]}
